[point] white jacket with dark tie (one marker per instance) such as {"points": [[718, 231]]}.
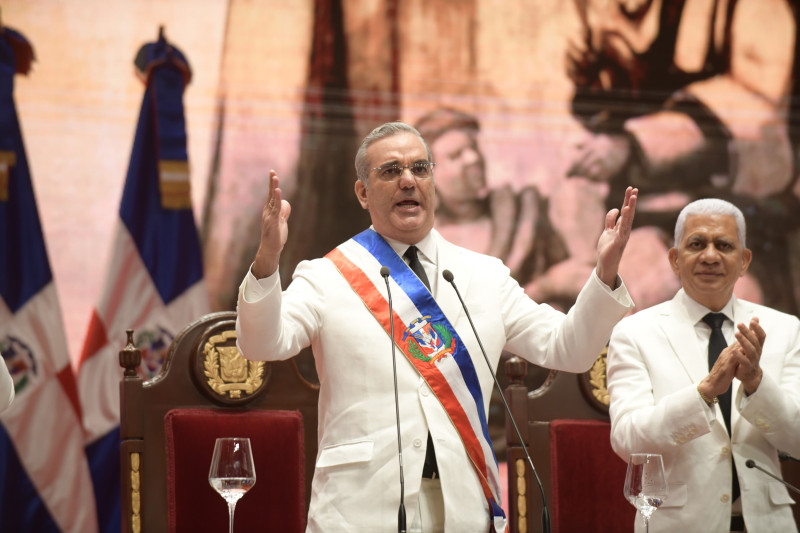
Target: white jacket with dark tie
{"points": [[654, 366]]}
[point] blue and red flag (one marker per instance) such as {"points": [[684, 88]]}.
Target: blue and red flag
{"points": [[154, 283], [45, 484]]}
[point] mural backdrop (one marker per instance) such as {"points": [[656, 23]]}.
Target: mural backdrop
{"points": [[538, 112]]}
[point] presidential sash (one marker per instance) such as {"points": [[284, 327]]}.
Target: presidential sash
{"points": [[429, 342]]}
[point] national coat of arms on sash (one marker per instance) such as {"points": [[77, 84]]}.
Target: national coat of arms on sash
{"points": [[429, 341]]}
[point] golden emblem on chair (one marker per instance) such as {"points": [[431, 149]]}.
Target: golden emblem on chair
{"points": [[597, 378], [228, 373]]}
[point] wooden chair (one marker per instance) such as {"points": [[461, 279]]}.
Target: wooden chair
{"points": [[791, 474], [565, 427], [205, 390]]}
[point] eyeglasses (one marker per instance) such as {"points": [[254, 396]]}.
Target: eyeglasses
{"points": [[392, 171]]}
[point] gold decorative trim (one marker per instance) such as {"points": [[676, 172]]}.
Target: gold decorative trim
{"points": [[522, 492], [174, 184], [597, 378], [228, 373], [136, 494]]}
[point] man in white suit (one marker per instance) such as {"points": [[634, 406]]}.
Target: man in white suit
{"points": [[339, 306], [667, 397]]}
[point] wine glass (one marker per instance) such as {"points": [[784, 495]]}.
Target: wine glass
{"points": [[232, 471], [646, 484]]}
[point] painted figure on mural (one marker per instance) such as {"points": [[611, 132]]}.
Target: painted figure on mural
{"points": [[685, 99], [495, 220]]}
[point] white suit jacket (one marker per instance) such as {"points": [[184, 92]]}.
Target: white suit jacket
{"points": [[356, 485], [655, 363]]}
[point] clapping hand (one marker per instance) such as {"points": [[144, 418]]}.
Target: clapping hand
{"points": [[751, 341]]}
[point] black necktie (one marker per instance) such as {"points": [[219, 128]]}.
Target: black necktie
{"points": [[429, 470], [717, 343], [413, 261]]}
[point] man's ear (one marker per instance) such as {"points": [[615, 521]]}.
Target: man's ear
{"points": [[673, 260], [361, 193], [747, 256]]}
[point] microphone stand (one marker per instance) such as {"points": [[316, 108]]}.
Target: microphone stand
{"points": [[448, 276], [401, 513], [752, 464]]}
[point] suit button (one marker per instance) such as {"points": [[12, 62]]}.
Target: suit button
{"points": [[425, 390], [417, 443], [724, 498], [725, 451]]}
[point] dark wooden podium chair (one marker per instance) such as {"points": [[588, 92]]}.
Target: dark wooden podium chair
{"points": [[565, 426], [205, 390], [791, 474]]}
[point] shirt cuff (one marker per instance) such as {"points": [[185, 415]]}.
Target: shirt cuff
{"points": [[255, 289], [619, 292]]}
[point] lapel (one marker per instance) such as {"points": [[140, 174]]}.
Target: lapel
{"points": [[679, 332], [742, 311], [450, 258]]}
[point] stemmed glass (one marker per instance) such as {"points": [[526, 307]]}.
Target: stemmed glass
{"points": [[646, 484], [232, 471]]}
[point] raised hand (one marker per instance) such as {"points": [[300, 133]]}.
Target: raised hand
{"points": [[615, 236], [274, 230]]}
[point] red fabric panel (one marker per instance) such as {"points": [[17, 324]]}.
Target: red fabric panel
{"points": [[587, 479], [275, 503], [96, 338]]}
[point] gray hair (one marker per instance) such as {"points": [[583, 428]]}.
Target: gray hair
{"points": [[710, 206], [381, 132]]}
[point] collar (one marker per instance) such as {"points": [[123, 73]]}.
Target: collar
{"points": [[427, 247], [696, 311]]}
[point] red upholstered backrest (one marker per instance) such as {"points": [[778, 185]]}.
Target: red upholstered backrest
{"points": [[587, 479], [275, 503]]}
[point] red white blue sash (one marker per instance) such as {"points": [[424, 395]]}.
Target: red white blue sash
{"points": [[429, 342]]}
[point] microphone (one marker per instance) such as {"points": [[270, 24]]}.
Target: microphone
{"points": [[401, 512], [783, 456], [448, 277], [752, 464]]}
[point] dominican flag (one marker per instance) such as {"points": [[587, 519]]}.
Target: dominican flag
{"points": [[44, 475], [154, 283]]}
